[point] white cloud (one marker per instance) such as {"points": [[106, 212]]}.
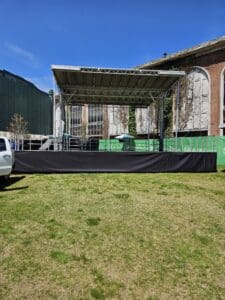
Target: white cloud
{"points": [[22, 53]]}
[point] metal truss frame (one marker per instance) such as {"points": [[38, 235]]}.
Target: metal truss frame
{"points": [[88, 87], [149, 96], [76, 95]]}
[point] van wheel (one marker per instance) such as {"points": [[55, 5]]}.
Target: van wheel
{"points": [[6, 177]]}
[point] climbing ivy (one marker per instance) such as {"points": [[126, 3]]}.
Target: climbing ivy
{"points": [[132, 121], [168, 116]]}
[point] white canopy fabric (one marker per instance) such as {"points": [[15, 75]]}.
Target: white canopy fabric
{"points": [[124, 136]]}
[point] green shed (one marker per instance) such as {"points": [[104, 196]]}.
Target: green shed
{"points": [[18, 95]]}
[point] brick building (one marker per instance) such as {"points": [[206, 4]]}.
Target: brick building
{"points": [[198, 111], [200, 108]]}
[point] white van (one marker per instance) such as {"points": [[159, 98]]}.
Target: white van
{"points": [[6, 158]]}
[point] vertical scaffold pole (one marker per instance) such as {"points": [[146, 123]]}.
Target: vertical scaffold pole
{"points": [[161, 131], [177, 111], [54, 112], [54, 106], [148, 118]]}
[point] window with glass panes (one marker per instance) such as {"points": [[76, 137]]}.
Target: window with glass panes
{"points": [[76, 120], [95, 119]]}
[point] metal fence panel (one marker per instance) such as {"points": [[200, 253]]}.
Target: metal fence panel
{"points": [[181, 144]]}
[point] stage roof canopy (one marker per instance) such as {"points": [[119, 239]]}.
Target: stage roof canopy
{"points": [[85, 85]]}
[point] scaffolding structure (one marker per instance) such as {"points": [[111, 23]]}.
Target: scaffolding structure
{"points": [[82, 86]]}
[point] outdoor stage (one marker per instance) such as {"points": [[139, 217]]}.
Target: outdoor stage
{"points": [[113, 162], [82, 86]]}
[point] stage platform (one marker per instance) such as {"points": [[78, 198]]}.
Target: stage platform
{"points": [[113, 162]]}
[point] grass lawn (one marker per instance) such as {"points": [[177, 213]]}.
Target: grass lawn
{"points": [[113, 236]]}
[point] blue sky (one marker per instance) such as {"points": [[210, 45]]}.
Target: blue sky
{"points": [[35, 34]]}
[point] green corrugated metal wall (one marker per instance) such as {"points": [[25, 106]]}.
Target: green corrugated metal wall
{"points": [[20, 96]]}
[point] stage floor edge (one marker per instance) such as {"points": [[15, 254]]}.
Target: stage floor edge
{"points": [[113, 162]]}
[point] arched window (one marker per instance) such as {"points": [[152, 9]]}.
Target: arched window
{"points": [[194, 105]]}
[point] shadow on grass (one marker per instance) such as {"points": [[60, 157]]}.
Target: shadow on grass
{"points": [[6, 183]]}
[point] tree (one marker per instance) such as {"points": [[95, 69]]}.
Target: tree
{"points": [[18, 126]]}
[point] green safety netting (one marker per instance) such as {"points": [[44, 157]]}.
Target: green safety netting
{"points": [[181, 144]]}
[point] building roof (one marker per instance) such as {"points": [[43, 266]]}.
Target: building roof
{"points": [[204, 48], [86, 85], [9, 74]]}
